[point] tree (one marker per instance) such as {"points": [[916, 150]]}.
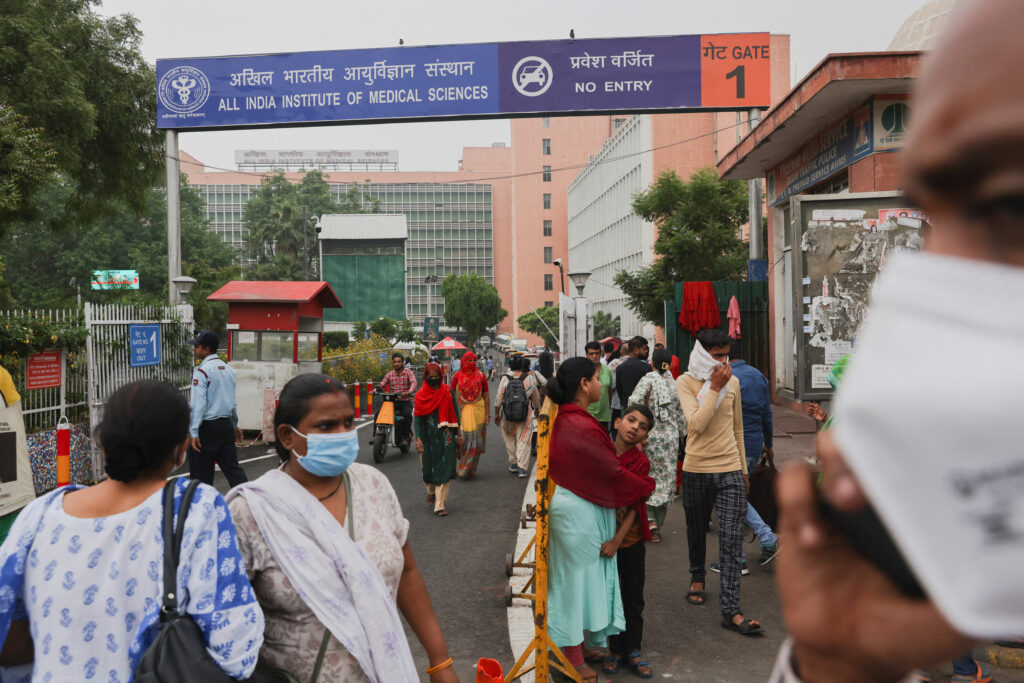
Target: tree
{"points": [[27, 163], [281, 236], [82, 82], [41, 263], [548, 329], [360, 329], [404, 331], [383, 327], [698, 238], [605, 325], [471, 303]]}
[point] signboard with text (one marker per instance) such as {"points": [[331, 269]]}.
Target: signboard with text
{"points": [[44, 370], [144, 345], [483, 80], [115, 279], [314, 157]]}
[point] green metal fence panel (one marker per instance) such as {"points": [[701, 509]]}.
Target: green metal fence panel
{"points": [[752, 346], [369, 286]]}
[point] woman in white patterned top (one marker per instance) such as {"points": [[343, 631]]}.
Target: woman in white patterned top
{"points": [[85, 565]]}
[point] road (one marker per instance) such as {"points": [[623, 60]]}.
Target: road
{"points": [[461, 556]]}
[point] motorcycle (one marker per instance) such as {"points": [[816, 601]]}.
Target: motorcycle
{"points": [[384, 428]]}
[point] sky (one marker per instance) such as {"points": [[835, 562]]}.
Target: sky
{"points": [[194, 28]]}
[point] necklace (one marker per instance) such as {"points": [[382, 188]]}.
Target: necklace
{"points": [[341, 480]]}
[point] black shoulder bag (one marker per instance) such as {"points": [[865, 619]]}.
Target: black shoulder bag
{"points": [[179, 651]]}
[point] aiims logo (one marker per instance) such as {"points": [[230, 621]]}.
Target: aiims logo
{"points": [[184, 89], [895, 118]]}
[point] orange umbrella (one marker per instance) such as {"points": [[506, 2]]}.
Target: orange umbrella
{"points": [[448, 344]]}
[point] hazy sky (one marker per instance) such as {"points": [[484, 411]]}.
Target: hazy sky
{"points": [[194, 28]]}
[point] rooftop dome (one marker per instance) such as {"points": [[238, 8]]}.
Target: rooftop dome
{"points": [[921, 29]]}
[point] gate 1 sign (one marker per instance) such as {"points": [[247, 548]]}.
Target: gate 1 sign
{"points": [[482, 80], [44, 370], [144, 345]]}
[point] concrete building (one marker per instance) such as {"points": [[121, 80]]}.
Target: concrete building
{"points": [[604, 235], [363, 255], [452, 217]]}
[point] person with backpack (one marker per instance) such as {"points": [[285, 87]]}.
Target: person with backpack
{"points": [[517, 402]]}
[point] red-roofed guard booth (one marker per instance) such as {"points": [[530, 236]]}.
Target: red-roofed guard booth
{"points": [[275, 331]]}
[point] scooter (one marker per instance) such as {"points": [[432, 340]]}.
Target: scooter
{"points": [[385, 427]]}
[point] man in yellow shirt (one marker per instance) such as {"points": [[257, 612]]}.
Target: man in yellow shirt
{"points": [[715, 472]]}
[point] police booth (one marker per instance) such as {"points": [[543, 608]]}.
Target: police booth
{"points": [[275, 332]]}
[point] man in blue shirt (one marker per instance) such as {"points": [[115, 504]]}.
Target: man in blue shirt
{"points": [[757, 435], [214, 424]]}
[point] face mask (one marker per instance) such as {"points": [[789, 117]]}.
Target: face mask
{"points": [[433, 382], [934, 444], [328, 455]]}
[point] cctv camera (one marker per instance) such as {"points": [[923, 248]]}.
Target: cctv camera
{"points": [[557, 261]]}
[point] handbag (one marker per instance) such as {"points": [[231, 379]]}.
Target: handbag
{"points": [[762, 490], [179, 651]]}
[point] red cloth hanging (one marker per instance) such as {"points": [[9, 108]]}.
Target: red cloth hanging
{"points": [[700, 308]]}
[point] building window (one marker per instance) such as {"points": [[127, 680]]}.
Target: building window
{"points": [[547, 228], [545, 122], [549, 304], [547, 174], [547, 255], [549, 282], [547, 201], [545, 146]]}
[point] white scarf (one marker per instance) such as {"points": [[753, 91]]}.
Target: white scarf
{"points": [[940, 457], [701, 366], [342, 587]]}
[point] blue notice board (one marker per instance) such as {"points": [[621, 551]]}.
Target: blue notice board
{"points": [[144, 344]]}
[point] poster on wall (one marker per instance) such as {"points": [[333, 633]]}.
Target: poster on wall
{"points": [[844, 242]]}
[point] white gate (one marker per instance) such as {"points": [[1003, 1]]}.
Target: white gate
{"points": [[108, 350]]}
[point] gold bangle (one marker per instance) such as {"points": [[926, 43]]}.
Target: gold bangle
{"points": [[443, 665]]}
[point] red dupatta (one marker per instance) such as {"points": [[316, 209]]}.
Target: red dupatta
{"points": [[583, 460], [428, 400], [469, 380], [636, 461]]}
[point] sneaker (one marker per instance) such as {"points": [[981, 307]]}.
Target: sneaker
{"points": [[523, 474], [717, 568], [982, 675], [769, 554], [513, 468]]}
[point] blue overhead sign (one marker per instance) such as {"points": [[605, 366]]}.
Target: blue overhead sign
{"points": [[143, 345], [465, 81]]}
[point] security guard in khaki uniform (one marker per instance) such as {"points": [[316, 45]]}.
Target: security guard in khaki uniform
{"points": [[214, 424]]}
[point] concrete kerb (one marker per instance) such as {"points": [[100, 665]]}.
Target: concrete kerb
{"points": [[520, 614], [1010, 657]]}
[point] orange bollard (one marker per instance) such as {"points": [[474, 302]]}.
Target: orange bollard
{"points": [[357, 399], [489, 671], [369, 398], [63, 452]]}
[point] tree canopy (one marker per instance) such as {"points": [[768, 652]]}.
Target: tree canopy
{"points": [[281, 238], [83, 97], [41, 264], [606, 325], [532, 323], [698, 238], [471, 303]]}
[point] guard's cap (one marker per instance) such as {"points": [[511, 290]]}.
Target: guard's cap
{"points": [[206, 338]]}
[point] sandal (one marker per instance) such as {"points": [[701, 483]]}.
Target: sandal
{"points": [[692, 595], [611, 664], [640, 667], [592, 654], [441, 513], [585, 672], [430, 499], [747, 627]]}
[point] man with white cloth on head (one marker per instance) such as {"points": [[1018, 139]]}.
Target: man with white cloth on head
{"points": [[715, 472]]}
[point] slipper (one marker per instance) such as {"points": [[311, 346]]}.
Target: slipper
{"points": [[594, 654], [611, 664], [655, 536], [691, 597], [441, 513], [747, 627], [636, 662], [430, 499]]}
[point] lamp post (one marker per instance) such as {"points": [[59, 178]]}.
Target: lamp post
{"points": [[561, 273], [182, 285], [580, 314]]}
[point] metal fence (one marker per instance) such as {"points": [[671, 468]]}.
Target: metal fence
{"points": [[42, 408], [108, 351]]}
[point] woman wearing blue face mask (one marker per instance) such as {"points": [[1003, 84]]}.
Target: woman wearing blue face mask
{"points": [[324, 542]]}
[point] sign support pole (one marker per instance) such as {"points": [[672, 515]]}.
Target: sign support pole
{"points": [[173, 215], [756, 248]]}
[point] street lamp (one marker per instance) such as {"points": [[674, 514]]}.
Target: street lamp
{"points": [[183, 284], [580, 280], [561, 272]]}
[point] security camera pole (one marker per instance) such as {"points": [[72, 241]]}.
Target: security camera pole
{"points": [[561, 272]]}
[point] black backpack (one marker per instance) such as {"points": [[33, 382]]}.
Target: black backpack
{"points": [[515, 406]]}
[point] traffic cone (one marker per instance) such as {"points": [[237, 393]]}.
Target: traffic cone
{"points": [[489, 671], [63, 452]]}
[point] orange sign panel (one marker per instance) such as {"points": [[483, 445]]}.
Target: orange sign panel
{"points": [[735, 70]]}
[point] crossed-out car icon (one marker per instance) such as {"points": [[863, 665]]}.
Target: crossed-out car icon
{"points": [[533, 73]]}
